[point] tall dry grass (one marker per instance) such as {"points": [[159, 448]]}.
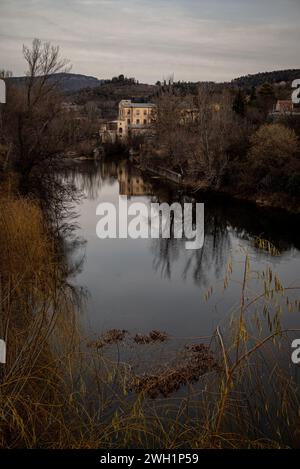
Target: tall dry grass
{"points": [[52, 393], [38, 325]]}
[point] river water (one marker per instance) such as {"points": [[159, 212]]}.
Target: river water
{"points": [[145, 284]]}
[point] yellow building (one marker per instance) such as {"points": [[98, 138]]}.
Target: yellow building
{"points": [[133, 119], [136, 114]]}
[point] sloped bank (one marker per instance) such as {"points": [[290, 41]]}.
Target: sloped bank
{"points": [[277, 200]]}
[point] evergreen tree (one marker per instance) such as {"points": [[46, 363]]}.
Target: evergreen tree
{"points": [[253, 96], [266, 97], [239, 104], [266, 91]]}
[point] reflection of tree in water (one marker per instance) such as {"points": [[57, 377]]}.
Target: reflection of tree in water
{"points": [[249, 222], [72, 247], [213, 255], [90, 176], [198, 262], [222, 216], [165, 252]]}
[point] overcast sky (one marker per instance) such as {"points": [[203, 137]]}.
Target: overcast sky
{"points": [[151, 39]]}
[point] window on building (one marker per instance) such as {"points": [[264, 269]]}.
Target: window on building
{"points": [[145, 112], [128, 112], [145, 121], [128, 121], [138, 121], [120, 130], [137, 112]]}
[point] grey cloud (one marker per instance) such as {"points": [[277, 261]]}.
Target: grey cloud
{"points": [[195, 39]]}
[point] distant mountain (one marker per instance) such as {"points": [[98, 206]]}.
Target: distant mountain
{"points": [[69, 82], [72, 82], [258, 79], [85, 88]]}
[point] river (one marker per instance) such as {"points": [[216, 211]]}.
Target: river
{"points": [[145, 284]]}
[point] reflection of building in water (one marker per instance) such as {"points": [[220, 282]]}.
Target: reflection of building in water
{"points": [[131, 182]]}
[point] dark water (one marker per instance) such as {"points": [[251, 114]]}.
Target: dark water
{"points": [[141, 285]]}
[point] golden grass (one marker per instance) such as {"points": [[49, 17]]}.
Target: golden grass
{"points": [[35, 305]]}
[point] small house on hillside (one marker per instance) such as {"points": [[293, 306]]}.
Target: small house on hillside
{"points": [[284, 106]]}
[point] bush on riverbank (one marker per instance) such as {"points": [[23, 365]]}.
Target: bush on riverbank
{"points": [[273, 157]]}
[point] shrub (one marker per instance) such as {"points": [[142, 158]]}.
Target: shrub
{"points": [[272, 158], [273, 145]]}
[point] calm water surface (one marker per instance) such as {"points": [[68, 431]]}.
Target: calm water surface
{"points": [[141, 285]]}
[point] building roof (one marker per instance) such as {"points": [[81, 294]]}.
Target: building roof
{"points": [[139, 105], [284, 105]]}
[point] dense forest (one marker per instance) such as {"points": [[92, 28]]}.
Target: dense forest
{"points": [[106, 95], [258, 79]]}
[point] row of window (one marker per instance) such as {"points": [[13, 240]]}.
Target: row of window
{"points": [[137, 112], [137, 123]]}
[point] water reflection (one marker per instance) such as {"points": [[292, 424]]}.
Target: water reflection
{"points": [[157, 283], [131, 182]]}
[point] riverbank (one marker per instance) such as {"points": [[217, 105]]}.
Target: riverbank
{"points": [[278, 200]]}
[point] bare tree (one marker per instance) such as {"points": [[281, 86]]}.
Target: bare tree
{"points": [[217, 125], [36, 125], [34, 112], [175, 129], [44, 62]]}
